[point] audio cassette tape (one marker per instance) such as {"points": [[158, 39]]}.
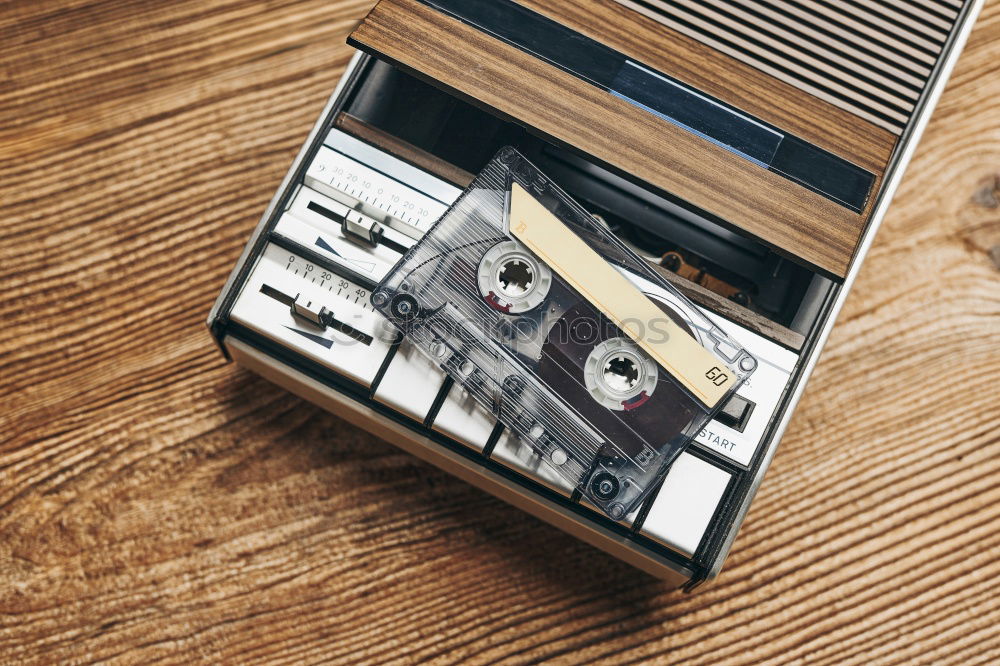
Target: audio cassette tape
{"points": [[532, 306]]}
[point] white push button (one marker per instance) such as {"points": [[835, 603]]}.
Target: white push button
{"points": [[464, 420], [686, 503], [411, 383]]}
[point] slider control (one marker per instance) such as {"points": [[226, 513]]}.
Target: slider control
{"points": [[317, 315], [735, 413], [357, 226], [362, 227]]}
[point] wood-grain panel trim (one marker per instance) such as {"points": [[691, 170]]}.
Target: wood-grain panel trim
{"points": [[403, 150], [764, 204], [726, 78], [869, 57]]}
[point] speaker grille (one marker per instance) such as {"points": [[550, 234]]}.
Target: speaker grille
{"points": [[870, 57]]}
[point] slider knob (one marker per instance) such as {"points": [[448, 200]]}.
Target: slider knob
{"points": [[314, 314]]}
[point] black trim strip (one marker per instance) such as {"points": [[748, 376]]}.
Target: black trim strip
{"points": [[491, 442], [384, 368], [442, 395], [667, 98]]}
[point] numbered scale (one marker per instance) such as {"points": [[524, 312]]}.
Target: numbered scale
{"points": [[324, 316], [378, 190]]}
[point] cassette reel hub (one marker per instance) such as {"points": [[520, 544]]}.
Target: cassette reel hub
{"points": [[619, 375], [511, 280]]}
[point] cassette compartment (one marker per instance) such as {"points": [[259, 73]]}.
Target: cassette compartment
{"points": [[741, 278]]}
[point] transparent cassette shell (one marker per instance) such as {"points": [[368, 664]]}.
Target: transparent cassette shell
{"points": [[593, 398]]}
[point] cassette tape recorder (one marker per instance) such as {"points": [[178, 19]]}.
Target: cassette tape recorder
{"points": [[722, 166]]}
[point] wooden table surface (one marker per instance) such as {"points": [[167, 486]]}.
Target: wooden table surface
{"points": [[159, 504]]}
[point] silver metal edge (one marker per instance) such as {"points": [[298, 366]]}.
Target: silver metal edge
{"points": [[278, 193], [420, 446], [909, 145]]}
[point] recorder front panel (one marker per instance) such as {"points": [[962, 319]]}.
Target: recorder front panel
{"points": [[336, 278]]}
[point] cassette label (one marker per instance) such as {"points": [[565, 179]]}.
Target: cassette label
{"points": [[608, 290], [531, 306]]}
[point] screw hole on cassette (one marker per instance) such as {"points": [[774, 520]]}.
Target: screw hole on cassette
{"points": [[404, 307], [605, 486]]}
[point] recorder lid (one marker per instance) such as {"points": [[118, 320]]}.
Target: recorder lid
{"points": [[777, 121]]}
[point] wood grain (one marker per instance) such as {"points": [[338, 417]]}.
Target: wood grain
{"points": [[871, 58], [726, 78], [403, 150], [160, 505], [787, 216]]}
